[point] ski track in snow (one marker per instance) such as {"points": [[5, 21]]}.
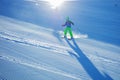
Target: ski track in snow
{"points": [[22, 37], [39, 66], [51, 47], [33, 42]]}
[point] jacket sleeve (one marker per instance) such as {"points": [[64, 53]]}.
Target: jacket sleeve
{"points": [[72, 23], [64, 24]]}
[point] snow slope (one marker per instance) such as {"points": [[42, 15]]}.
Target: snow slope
{"points": [[100, 19], [31, 52]]}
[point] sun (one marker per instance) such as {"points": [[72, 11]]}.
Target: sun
{"points": [[55, 3]]}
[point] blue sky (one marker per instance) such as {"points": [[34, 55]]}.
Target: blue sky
{"points": [[100, 19]]}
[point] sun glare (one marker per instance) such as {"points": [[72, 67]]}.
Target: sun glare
{"points": [[55, 3]]}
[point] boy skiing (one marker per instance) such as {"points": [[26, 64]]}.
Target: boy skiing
{"points": [[68, 24]]}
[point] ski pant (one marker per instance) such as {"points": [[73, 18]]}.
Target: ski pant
{"points": [[68, 29]]}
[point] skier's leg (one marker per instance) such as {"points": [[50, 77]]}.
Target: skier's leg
{"points": [[65, 32], [70, 32]]}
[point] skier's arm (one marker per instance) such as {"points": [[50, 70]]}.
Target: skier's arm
{"points": [[72, 23], [64, 24]]}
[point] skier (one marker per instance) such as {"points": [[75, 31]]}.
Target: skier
{"points": [[68, 24]]}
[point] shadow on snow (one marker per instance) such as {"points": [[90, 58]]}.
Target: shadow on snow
{"points": [[88, 66]]}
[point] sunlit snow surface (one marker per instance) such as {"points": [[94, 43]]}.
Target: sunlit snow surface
{"points": [[99, 19], [30, 52]]}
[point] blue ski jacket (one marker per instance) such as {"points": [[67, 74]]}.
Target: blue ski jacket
{"points": [[68, 23]]}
